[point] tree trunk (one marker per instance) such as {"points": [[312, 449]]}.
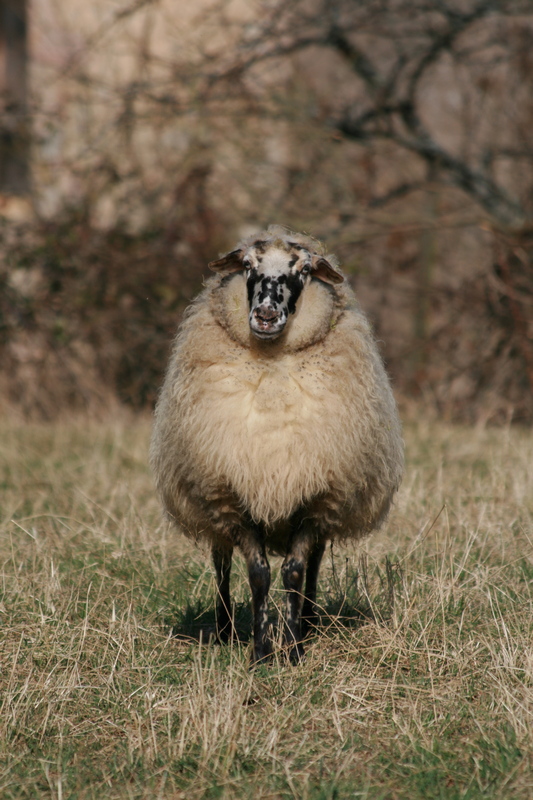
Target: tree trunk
{"points": [[14, 124]]}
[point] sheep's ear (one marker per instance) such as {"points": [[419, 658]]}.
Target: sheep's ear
{"points": [[231, 262], [322, 269]]}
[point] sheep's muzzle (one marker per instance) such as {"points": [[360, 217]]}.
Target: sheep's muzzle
{"points": [[267, 322]]}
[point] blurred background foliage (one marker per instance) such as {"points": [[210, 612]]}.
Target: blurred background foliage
{"points": [[138, 140]]}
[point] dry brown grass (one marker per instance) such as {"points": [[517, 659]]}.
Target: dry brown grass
{"points": [[419, 684]]}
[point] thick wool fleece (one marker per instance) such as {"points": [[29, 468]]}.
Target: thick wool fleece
{"points": [[304, 427]]}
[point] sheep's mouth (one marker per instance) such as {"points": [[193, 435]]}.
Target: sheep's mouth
{"points": [[266, 323], [266, 334]]}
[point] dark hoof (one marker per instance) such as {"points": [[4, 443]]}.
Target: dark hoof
{"points": [[226, 633], [310, 623], [296, 654], [260, 656]]}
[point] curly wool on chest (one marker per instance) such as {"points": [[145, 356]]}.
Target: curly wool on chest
{"points": [[263, 430]]}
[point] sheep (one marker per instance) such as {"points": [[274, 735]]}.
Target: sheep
{"points": [[276, 429]]}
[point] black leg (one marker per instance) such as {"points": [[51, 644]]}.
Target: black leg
{"points": [[259, 575], [309, 609], [222, 561], [293, 571]]}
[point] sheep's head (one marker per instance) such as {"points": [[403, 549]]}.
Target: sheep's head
{"points": [[277, 271]]}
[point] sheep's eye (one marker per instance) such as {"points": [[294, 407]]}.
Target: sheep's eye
{"points": [[246, 262], [306, 269]]}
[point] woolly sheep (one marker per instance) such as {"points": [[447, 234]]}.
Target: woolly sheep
{"points": [[276, 429]]}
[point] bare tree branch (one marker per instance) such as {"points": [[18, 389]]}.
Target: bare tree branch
{"points": [[415, 39]]}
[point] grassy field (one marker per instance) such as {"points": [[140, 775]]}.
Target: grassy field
{"points": [[419, 684]]}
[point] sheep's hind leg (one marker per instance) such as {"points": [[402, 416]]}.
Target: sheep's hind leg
{"points": [[309, 609], [292, 572], [224, 623], [259, 575]]}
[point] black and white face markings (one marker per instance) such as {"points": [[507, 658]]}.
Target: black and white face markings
{"points": [[275, 277]]}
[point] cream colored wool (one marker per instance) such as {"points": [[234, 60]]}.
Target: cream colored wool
{"points": [[248, 431]]}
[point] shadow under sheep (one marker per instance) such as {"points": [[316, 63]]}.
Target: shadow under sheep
{"points": [[357, 603]]}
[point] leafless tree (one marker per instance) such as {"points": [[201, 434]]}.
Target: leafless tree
{"points": [[447, 87], [396, 51], [14, 136], [399, 131]]}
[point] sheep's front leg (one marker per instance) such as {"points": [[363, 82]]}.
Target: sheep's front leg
{"points": [[309, 609], [222, 560], [259, 576], [292, 573]]}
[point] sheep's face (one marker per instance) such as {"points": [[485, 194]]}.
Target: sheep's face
{"points": [[276, 275], [275, 279]]}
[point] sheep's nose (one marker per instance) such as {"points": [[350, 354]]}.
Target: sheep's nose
{"points": [[266, 313]]}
